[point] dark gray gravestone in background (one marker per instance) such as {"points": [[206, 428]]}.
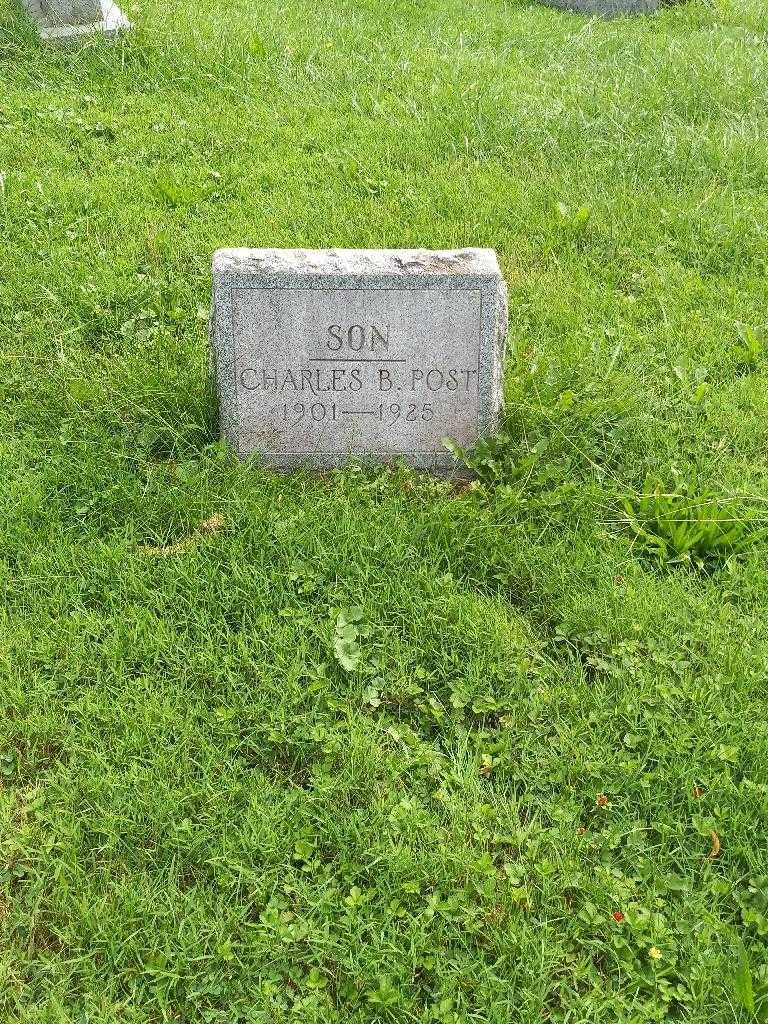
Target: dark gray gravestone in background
{"points": [[606, 8], [322, 356]]}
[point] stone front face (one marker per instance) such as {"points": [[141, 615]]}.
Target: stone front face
{"points": [[73, 12], [323, 356]]}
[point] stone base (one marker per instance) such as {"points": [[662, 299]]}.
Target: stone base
{"points": [[53, 30], [606, 8]]}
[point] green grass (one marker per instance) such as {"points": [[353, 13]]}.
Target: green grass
{"points": [[204, 816]]}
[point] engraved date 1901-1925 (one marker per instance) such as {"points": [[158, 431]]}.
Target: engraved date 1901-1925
{"points": [[387, 412]]}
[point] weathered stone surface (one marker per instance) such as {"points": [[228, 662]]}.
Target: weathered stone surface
{"points": [[322, 356], [73, 12], [606, 8], [64, 21]]}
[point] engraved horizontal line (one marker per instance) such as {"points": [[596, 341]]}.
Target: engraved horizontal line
{"points": [[469, 286], [358, 455], [343, 359], [359, 412]]}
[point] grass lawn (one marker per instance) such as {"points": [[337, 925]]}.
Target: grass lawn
{"points": [[538, 792]]}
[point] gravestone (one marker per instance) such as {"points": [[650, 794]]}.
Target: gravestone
{"points": [[326, 355], [606, 8], [66, 20]]}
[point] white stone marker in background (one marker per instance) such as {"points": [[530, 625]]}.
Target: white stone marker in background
{"points": [[325, 355], [65, 20]]}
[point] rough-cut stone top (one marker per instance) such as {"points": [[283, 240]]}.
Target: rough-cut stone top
{"points": [[357, 262]]}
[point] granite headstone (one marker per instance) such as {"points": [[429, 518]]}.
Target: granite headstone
{"points": [[63, 21], [325, 355]]}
